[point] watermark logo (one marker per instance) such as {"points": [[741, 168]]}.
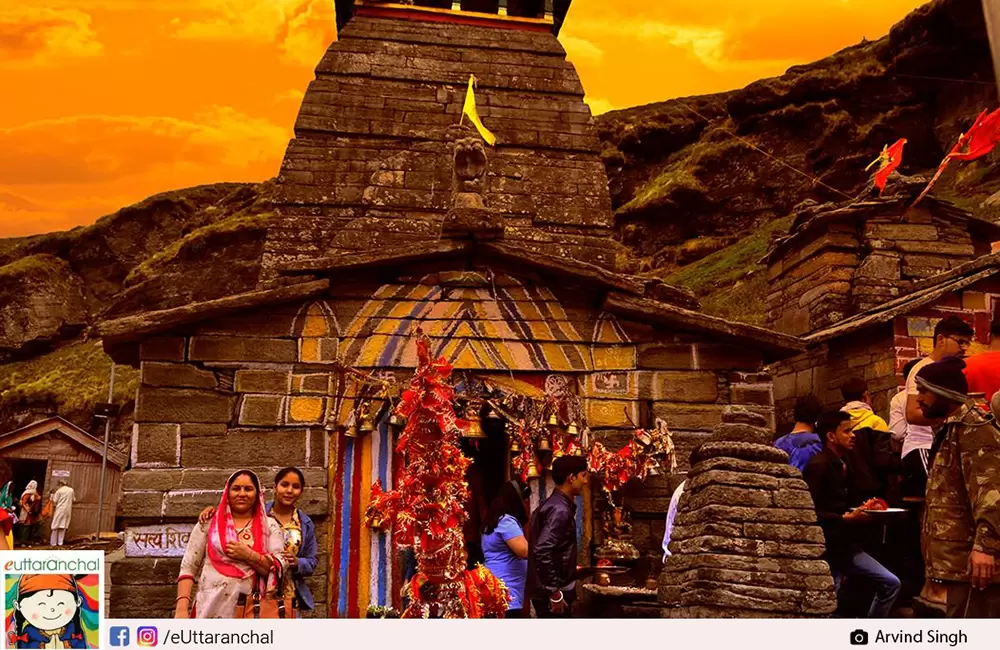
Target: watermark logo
{"points": [[52, 596], [147, 637], [118, 636]]}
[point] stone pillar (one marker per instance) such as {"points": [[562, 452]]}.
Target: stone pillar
{"points": [[745, 543]]}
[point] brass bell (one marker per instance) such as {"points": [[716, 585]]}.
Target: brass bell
{"points": [[515, 448], [578, 451], [365, 425], [493, 416], [572, 429], [351, 430], [475, 430], [553, 420], [532, 468], [544, 445]]}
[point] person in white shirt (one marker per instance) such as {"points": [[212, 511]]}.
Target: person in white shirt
{"points": [[897, 409], [62, 501], [952, 338], [671, 515]]}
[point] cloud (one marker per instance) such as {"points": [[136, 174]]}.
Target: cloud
{"points": [[32, 37], [580, 49], [21, 216], [103, 148], [62, 172], [301, 29], [293, 95]]}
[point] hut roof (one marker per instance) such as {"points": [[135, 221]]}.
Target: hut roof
{"points": [[924, 293], [57, 424], [815, 219]]}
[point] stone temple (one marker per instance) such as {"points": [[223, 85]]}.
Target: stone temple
{"points": [[391, 216]]}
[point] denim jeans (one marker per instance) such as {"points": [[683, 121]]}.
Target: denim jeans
{"points": [[866, 568]]}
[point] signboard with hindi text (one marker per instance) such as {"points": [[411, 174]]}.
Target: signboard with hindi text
{"points": [[161, 540]]}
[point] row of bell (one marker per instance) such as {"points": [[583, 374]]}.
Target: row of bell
{"points": [[544, 449], [364, 425], [475, 430]]}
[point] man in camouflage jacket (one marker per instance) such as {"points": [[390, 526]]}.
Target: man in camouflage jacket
{"points": [[961, 530]]}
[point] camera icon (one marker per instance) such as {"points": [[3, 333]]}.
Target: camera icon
{"points": [[859, 637]]}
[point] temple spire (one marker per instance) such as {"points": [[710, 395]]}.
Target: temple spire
{"points": [[529, 14]]}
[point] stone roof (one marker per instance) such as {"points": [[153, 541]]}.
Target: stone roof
{"points": [[371, 164], [643, 299], [924, 293], [813, 219]]}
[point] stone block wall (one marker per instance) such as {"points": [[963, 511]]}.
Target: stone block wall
{"points": [[861, 260], [689, 384], [811, 286], [197, 420], [914, 332], [259, 389], [905, 250], [870, 354], [879, 353]]}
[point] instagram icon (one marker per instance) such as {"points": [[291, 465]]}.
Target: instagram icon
{"points": [[147, 637]]}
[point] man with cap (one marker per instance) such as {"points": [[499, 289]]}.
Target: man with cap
{"points": [[961, 530]]}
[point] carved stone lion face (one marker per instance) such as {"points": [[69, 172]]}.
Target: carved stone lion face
{"points": [[470, 159]]}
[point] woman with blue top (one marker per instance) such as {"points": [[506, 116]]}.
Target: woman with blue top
{"points": [[504, 544], [299, 535]]}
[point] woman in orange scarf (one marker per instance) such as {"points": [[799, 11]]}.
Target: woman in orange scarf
{"points": [[243, 546]]}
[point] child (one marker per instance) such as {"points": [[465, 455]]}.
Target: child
{"points": [[47, 613]]}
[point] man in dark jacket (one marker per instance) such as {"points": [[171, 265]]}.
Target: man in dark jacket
{"points": [[552, 541], [961, 535], [830, 478]]}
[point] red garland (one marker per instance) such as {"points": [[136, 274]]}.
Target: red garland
{"points": [[634, 460], [426, 509]]}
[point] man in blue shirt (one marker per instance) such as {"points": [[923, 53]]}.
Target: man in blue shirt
{"points": [[802, 443]]}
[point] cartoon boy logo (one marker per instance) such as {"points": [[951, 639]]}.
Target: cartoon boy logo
{"points": [[48, 611]]}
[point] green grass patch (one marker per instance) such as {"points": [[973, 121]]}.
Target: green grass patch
{"points": [[679, 177], [729, 265], [34, 266], [745, 301], [236, 223], [70, 379]]}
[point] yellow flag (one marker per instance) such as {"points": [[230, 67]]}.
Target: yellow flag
{"points": [[470, 110]]}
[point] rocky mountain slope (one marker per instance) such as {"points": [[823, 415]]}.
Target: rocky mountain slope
{"points": [[701, 185], [54, 286]]}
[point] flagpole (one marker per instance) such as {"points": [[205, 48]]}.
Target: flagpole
{"points": [[991, 12]]}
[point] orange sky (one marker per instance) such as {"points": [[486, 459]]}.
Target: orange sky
{"points": [[105, 102]]}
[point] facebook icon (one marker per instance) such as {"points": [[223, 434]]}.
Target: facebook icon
{"points": [[118, 637]]}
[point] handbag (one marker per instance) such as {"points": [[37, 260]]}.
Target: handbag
{"points": [[259, 605]]}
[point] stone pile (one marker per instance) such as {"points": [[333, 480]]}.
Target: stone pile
{"points": [[745, 542]]}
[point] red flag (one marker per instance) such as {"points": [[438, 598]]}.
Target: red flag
{"points": [[891, 158], [981, 138]]}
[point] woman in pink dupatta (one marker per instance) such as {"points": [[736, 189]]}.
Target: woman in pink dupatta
{"points": [[241, 542]]}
